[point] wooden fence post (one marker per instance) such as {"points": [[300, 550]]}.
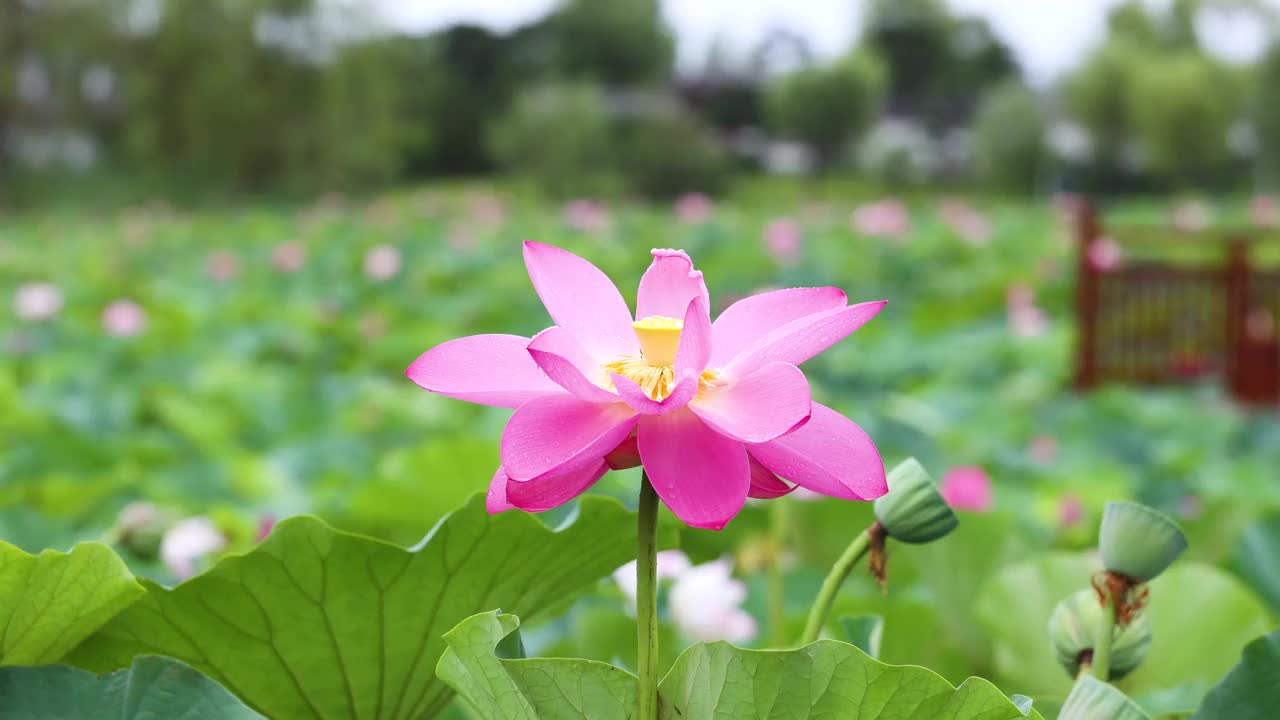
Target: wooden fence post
{"points": [[1087, 299], [1237, 316]]}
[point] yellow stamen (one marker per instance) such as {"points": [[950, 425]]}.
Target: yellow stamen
{"points": [[659, 338], [656, 382]]}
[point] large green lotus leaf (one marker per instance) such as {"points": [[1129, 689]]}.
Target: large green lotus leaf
{"points": [[152, 688], [317, 623], [1251, 691], [50, 602], [717, 681], [1015, 608], [1201, 620], [1257, 560], [516, 688], [710, 681]]}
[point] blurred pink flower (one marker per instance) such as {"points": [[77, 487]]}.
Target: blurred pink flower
{"points": [[187, 542], [124, 318], [670, 564], [266, 523], [706, 604], [967, 488], [694, 208], [1105, 254], [1026, 319], [382, 262], [1263, 211], [886, 218], [288, 257], [37, 301], [1190, 507], [1190, 216], [1043, 449], [1070, 511], [971, 225], [487, 209], [782, 238], [461, 240], [586, 215], [222, 265]]}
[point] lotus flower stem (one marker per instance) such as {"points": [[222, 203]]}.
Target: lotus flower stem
{"points": [[779, 528], [1102, 641], [647, 601], [831, 586]]}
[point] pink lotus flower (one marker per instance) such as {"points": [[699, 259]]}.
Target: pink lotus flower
{"points": [[887, 218], [971, 225], [717, 411], [189, 541], [288, 257], [1043, 449], [35, 302], [782, 238], [1070, 511], [589, 216], [382, 263], [222, 265], [1263, 211], [967, 488], [1105, 254], [694, 208], [124, 318]]}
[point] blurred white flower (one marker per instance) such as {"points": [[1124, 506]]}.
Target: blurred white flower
{"points": [[382, 262], [124, 318], [188, 542], [1191, 215], [670, 564], [706, 601], [37, 301]]}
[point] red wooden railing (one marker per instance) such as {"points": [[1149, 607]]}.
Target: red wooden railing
{"points": [[1166, 322]]}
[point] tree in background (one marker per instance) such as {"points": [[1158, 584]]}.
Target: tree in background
{"points": [[1266, 116], [1009, 138], [557, 136], [616, 43], [828, 107], [937, 64]]}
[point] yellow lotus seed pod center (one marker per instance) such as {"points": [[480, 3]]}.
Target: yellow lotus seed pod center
{"points": [[659, 338]]}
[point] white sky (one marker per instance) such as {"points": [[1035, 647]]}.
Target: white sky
{"points": [[1049, 36]]}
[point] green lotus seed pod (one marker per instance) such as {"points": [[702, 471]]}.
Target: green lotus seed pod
{"points": [[913, 510], [1092, 699], [1138, 542], [1072, 627]]}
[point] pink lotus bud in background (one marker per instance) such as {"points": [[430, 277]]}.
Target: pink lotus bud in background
{"points": [[967, 488], [1043, 449], [266, 524], [1105, 254], [887, 218], [971, 225], [382, 263], [1263, 211], [289, 257], [706, 604], [487, 209], [585, 215], [188, 542], [222, 265], [37, 301], [1020, 295], [1070, 511], [694, 208], [1190, 507], [124, 318], [1027, 322], [782, 238]]}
